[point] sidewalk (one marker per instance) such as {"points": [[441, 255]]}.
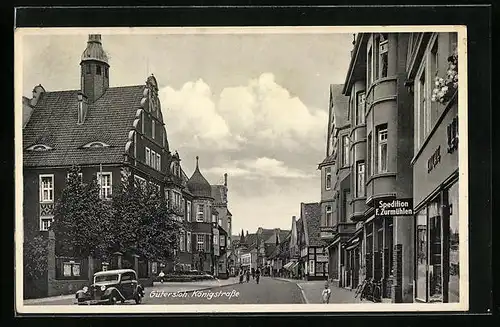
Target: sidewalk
{"points": [[166, 287], [311, 291]]}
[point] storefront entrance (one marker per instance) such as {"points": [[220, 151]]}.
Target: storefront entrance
{"points": [[436, 243]]}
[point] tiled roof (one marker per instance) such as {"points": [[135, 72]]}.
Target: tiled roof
{"points": [[328, 160], [53, 122], [217, 193], [340, 106], [198, 185], [269, 249], [312, 220]]}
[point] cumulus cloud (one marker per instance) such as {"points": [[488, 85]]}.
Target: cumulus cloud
{"points": [[259, 168], [261, 113]]}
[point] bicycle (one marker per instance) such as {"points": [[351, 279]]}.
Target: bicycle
{"points": [[377, 292], [360, 288]]}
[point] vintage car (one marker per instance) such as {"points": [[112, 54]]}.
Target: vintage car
{"points": [[110, 287]]}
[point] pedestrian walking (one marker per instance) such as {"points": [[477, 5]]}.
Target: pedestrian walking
{"points": [[253, 273], [325, 294], [161, 275], [248, 276], [257, 275], [241, 276]]}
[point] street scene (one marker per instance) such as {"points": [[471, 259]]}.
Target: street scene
{"points": [[240, 167]]}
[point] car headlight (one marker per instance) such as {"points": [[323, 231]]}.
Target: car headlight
{"points": [[103, 288], [85, 289]]}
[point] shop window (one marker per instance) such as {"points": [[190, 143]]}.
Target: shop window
{"points": [[453, 246], [435, 268], [71, 269], [421, 255]]}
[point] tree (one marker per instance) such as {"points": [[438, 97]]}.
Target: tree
{"points": [[142, 222], [35, 258], [81, 219]]}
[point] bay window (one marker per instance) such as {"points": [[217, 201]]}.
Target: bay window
{"points": [[369, 154]]}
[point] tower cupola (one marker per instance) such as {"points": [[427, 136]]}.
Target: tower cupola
{"points": [[94, 69]]}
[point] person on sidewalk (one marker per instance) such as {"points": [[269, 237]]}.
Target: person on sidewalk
{"points": [[161, 276], [257, 275], [248, 275], [325, 294], [241, 276]]}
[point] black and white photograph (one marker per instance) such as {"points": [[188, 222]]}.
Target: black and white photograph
{"points": [[241, 169]]}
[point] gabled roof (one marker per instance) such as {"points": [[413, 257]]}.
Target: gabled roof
{"points": [[311, 216], [53, 122], [340, 108], [327, 161]]}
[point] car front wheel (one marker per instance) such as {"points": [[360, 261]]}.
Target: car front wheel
{"points": [[138, 298], [112, 299]]}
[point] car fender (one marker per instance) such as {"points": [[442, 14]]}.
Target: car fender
{"points": [[80, 294], [139, 290], [110, 290]]}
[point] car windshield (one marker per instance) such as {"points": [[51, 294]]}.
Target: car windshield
{"points": [[106, 278]]}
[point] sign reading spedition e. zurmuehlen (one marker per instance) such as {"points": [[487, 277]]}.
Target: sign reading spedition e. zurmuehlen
{"points": [[394, 207]]}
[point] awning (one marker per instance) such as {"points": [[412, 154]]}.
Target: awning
{"points": [[288, 265], [353, 244], [294, 266]]}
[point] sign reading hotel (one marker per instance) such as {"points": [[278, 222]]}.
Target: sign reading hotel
{"points": [[393, 207]]}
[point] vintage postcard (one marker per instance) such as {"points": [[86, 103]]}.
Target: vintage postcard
{"points": [[248, 169]]}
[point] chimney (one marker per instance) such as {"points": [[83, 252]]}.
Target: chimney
{"points": [[225, 179]]}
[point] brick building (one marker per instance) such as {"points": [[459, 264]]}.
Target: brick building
{"points": [[108, 132]]}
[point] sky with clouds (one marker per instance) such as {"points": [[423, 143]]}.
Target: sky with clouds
{"points": [[252, 105]]}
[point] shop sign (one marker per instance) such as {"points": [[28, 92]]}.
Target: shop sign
{"points": [[434, 160], [321, 258], [394, 207]]}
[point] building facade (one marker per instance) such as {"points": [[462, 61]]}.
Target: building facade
{"points": [[400, 213], [432, 56]]}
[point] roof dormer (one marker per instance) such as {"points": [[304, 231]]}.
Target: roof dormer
{"points": [[39, 147], [96, 144]]}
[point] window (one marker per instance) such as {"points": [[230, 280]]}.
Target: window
{"points": [[369, 77], [360, 108], [88, 69], [345, 151], [182, 240], [383, 50], [98, 70], [80, 176], [369, 154], [188, 243], [188, 211], [80, 113], [106, 72], [105, 183], [216, 240], [347, 205], [434, 71], [71, 269], [382, 150], [222, 240], [200, 214], [453, 246], [311, 267], [158, 161], [328, 178], [139, 180], [153, 125], [46, 188], [329, 216], [153, 159], [45, 223], [360, 180], [376, 54], [200, 242], [148, 156]]}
